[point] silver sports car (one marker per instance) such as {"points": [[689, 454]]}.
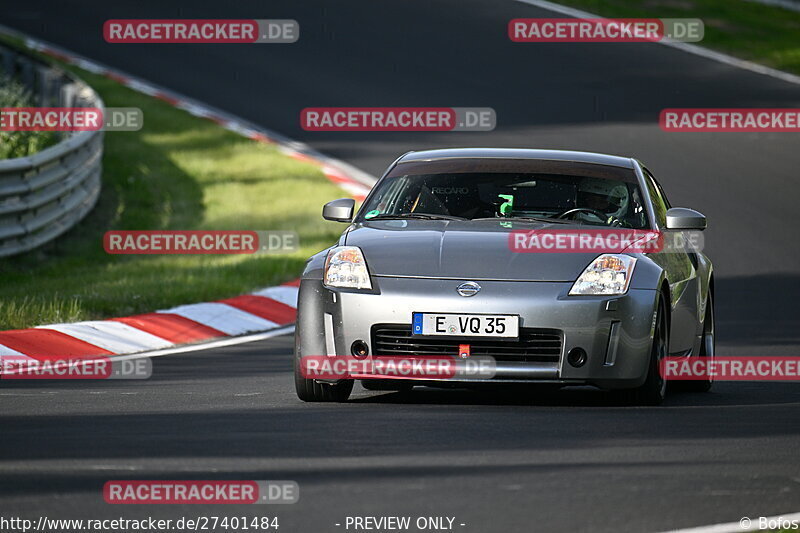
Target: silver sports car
{"points": [[493, 253]]}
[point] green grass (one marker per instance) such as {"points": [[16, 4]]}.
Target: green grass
{"points": [[760, 33], [20, 143], [178, 172]]}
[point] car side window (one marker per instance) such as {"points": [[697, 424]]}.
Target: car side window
{"points": [[657, 198], [391, 198]]}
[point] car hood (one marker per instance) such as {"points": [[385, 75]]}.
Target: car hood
{"points": [[469, 250]]}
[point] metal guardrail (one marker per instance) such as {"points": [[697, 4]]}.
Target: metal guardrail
{"points": [[46, 194]]}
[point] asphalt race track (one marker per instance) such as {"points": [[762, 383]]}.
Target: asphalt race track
{"points": [[520, 461], [548, 462]]}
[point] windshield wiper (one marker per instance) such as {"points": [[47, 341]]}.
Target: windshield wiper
{"points": [[533, 219], [420, 216]]}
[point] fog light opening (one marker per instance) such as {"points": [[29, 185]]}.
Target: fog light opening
{"points": [[359, 349], [577, 357]]}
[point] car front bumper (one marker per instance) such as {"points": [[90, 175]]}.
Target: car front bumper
{"points": [[615, 331]]}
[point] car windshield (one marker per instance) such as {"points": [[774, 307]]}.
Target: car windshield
{"points": [[584, 199]]}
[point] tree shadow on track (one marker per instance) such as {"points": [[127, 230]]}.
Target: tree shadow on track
{"points": [[722, 395]]}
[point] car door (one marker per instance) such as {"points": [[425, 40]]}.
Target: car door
{"points": [[681, 273]]}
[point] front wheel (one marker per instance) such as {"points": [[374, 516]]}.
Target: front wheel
{"points": [[706, 350], [309, 390], [654, 389]]}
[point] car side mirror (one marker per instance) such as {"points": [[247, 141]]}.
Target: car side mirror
{"points": [[683, 218], [340, 210]]}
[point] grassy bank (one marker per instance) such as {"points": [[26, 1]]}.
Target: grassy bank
{"points": [[20, 143], [178, 172], [761, 33]]}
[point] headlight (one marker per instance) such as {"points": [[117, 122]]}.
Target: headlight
{"points": [[345, 267], [608, 274]]}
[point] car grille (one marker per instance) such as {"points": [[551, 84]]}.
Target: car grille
{"points": [[535, 345]]}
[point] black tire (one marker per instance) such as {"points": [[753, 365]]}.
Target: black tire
{"points": [[386, 385], [707, 349], [309, 390], [654, 389]]}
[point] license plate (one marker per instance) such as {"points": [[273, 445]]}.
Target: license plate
{"points": [[462, 325]]}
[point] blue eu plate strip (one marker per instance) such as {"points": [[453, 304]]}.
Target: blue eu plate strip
{"points": [[417, 321]]}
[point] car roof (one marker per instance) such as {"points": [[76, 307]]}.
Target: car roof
{"points": [[518, 153]]}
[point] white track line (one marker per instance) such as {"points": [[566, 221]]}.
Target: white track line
{"points": [[737, 527], [686, 47]]}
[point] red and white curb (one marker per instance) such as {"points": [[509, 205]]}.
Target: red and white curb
{"points": [[266, 310]]}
